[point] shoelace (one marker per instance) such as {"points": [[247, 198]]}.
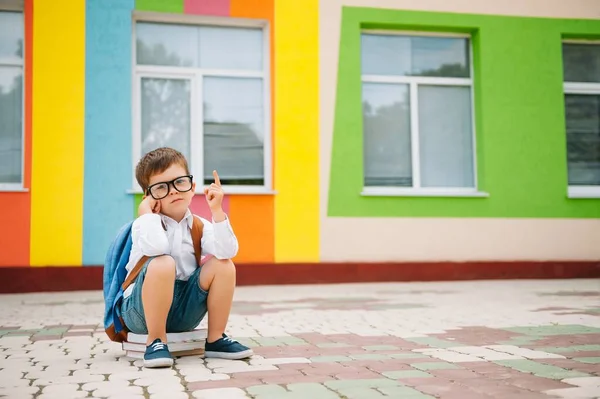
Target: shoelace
{"points": [[158, 346], [229, 340]]}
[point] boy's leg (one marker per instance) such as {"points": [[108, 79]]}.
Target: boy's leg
{"points": [[157, 296], [217, 277]]}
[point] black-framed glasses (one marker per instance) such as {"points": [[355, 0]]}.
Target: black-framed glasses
{"points": [[160, 190]]}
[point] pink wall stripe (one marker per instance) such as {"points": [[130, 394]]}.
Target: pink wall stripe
{"points": [[200, 207], [207, 7]]}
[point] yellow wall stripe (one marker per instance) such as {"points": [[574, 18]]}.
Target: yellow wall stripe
{"points": [[58, 133], [296, 108]]}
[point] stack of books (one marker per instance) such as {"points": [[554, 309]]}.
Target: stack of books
{"points": [[190, 343]]}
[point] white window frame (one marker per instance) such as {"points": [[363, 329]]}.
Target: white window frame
{"points": [[413, 82], [584, 88], [196, 76], [17, 6]]}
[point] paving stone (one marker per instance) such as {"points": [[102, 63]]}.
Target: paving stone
{"points": [[170, 395], [360, 393], [369, 356], [524, 352], [590, 360], [434, 366], [60, 395], [366, 383], [220, 393], [401, 392], [407, 355], [17, 392], [542, 370], [279, 361], [574, 393], [583, 381], [485, 353], [433, 342], [406, 374], [63, 389], [381, 348], [330, 359], [555, 330], [206, 377], [243, 369], [451, 356], [110, 391], [333, 345], [165, 388], [269, 389]]}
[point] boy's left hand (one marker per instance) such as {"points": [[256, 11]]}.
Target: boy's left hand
{"points": [[214, 197]]}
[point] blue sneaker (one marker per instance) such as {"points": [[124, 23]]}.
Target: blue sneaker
{"points": [[157, 355], [227, 348]]}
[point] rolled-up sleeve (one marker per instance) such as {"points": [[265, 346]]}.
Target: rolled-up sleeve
{"points": [[219, 240], [149, 236]]}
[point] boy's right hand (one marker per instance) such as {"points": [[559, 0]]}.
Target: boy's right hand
{"points": [[148, 205]]}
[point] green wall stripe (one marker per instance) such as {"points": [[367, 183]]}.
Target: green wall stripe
{"points": [[172, 6], [519, 110]]}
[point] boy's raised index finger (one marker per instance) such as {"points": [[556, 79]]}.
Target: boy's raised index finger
{"points": [[216, 176]]}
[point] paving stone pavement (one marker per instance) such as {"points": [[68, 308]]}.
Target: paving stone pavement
{"points": [[485, 339]]}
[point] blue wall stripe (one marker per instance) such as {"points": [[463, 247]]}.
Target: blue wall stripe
{"points": [[108, 118]]}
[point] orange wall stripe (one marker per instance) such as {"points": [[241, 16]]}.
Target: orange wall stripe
{"points": [[253, 216], [15, 207], [252, 219]]}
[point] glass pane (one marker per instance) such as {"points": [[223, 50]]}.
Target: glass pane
{"points": [[415, 56], [581, 62], [11, 124], [11, 35], [386, 127], [164, 44], [583, 139], [231, 48], [166, 115], [440, 56], [234, 130], [385, 55], [445, 136]]}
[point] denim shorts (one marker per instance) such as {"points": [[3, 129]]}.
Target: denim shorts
{"points": [[186, 312]]}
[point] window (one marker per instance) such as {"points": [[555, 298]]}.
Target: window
{"points": [[11, 99], [581, 66], [204, 90], [417, 114]]}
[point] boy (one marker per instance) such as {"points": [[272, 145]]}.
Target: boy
{"points": [[172, 292]]}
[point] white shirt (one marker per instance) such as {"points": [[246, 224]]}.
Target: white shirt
{"points": [[150, 239]]}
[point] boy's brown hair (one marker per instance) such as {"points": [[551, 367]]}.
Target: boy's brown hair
{"points": [[157, 161]]}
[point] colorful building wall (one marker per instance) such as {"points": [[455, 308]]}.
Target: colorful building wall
{"points": [[78, 121]]}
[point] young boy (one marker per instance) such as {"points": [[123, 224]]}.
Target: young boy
{"points": [[172, 293]]}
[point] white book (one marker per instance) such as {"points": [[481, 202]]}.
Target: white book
{"points": [[194, 335], [173, 347]]}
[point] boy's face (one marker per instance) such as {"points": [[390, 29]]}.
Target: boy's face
{"points": [[176, 203]]}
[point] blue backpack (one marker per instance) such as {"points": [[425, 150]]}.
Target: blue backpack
{"points": [[115, 272]]}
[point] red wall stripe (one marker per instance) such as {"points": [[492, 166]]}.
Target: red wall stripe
{"points": [[15, 207]]}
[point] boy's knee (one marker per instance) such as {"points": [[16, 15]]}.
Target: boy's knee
{"points": [[164, 265], [225, 266]]}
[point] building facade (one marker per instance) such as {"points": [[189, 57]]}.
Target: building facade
{"points": [[343, 130]]}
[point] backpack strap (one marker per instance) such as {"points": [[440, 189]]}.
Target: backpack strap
{"points": [[134, 272], [197, 230]]}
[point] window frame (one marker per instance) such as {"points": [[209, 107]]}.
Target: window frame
{"points": [[17, 7], [581, 88], [196, 77], [413, 83]]}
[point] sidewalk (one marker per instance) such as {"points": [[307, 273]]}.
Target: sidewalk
{"points": [[484, 339]]}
